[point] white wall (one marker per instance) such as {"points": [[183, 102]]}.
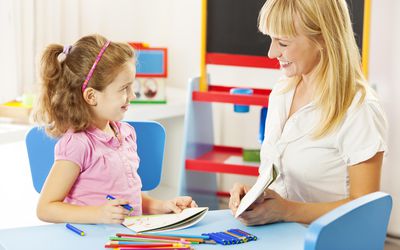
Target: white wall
{"points": [[174, 24], [384, 73]]}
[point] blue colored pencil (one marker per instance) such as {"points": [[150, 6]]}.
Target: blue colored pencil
{"points": [[217, 239], [74, 229], [242, 239], [228, 238], [251, 236], [232, 237], [126, 206]]}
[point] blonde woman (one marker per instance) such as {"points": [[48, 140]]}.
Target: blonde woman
{"points": [[325, 130]]}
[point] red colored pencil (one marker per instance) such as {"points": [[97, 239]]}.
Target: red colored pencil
{"points": [[139, 245], [158, 248]]}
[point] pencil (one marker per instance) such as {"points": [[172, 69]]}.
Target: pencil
{"points": [[206, 237], [74, 229], [148, 236], [126, 206]]}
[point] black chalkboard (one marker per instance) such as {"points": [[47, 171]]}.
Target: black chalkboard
{"points": [[232, 26]]}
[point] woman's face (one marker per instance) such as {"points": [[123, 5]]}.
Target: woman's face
{"points": [[297, 56]]}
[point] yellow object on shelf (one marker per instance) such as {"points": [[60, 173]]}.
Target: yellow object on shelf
{"points": [[17, 111]]}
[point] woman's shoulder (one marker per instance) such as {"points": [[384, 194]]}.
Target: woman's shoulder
{"points": [[367, 110], [280, 91], [367, 102], [281, 87]]}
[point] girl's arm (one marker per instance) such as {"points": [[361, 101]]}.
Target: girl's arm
{"points": [[364, 179], [51, 207], [176, 205]]}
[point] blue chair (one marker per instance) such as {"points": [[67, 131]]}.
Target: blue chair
{"points": [[358, 225], [150, 138]]}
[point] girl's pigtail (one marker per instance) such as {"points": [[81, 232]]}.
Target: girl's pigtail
{"points": [[51, 69], [50, 74]]}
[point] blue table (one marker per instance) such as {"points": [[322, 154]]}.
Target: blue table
{"points": [[55, 236]]}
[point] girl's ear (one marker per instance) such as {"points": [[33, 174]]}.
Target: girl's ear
{"points": [[89, 95]]}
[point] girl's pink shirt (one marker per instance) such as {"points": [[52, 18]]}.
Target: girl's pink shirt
{"points": [[107, 166]]}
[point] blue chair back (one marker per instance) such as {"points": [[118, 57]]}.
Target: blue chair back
{"points": [[359, 224], [150, 138]]}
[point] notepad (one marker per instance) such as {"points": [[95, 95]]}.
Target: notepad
{"points": [[165, 222], [263, 182]]}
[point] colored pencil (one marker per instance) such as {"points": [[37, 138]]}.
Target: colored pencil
{"points": [[206, 237], [126, 206], [75, 230], [147, 239], [241, 238], [145, 245], [157, 248], [195, 240], [217, 239]]}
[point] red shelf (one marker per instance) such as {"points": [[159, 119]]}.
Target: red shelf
{"points": [[221, 94], [242, 60], [213, 162]]}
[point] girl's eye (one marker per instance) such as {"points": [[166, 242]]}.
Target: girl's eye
{"points": [[282, 45]]}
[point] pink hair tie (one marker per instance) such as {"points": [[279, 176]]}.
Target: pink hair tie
{"points": [[85, 83]]}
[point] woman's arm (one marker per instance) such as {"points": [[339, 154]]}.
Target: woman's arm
{"points": [[364, 178], [51, 207]]}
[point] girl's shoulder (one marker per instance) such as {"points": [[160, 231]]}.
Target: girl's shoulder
{"points": [[76, 139], [126, 129]]}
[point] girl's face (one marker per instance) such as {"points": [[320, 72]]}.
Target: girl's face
{"points": [[113, 101], [297, 56]]}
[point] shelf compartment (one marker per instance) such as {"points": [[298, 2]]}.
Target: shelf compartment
{"points": [[214, 162], [222, 94]]}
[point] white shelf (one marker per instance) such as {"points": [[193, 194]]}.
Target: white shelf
{"points": [[175, 106], [12, 132]]}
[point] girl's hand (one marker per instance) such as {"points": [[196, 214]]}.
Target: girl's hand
{"points": [[237, 193], [112, 212], [177, 204], [268, 208]]}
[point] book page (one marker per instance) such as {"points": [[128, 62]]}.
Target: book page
{"points": [[263, 182], [165, 222]]}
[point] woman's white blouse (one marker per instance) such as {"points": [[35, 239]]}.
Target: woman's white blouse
{"points": [[316, 170]]}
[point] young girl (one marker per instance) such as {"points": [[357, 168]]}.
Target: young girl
{"points": [[86, 91]]}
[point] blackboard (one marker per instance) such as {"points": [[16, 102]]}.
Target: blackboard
{"points": [[232, 29]]}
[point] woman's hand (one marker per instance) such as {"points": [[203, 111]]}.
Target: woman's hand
{"points": [[112, 212], [237, 193], [268, 208]]}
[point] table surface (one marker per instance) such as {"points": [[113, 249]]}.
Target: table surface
{"points": [[55, 236]]}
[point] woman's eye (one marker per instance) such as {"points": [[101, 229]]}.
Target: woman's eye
{"points": [[282, 45]]}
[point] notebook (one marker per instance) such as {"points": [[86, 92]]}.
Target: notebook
{"points": [[165, 222], [264, 181]]}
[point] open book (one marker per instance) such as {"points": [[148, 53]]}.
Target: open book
{"points": [[263, 182], [165, 222]]}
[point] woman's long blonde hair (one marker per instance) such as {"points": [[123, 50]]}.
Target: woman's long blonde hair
{"points": [[338, 74], [61, 105]]}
